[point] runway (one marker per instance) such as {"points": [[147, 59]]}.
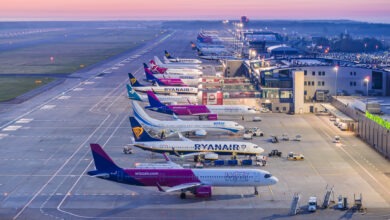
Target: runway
{"points": [[45, 154]]}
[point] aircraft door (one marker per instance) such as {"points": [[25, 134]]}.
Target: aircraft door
{"points": [[161, 178], [257, 177]]}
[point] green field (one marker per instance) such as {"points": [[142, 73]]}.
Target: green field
{"points": [[11, 87], [71, 49]]}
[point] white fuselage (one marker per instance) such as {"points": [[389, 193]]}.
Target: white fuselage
{"points": [[235, 177], [176, 65], [168, 89], [218, 147], [231, 109], [184, 126], [182, 60], [180, 99]]}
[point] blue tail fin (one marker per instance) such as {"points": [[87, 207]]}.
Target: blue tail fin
{"points": [[132, 94], [153, 100], [103, 162], [149, 75], [140, 135], [168, 55], [133, 81]]}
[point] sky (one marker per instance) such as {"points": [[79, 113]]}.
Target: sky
{"points": [[361, 10]]}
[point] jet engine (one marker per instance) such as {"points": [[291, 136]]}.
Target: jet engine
{"points": [[203, 191]]}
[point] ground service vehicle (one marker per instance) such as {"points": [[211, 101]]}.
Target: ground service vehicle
{"points": [[312, 204], [275, 152], [294, 156]]}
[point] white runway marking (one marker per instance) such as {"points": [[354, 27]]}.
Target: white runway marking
{"points": [[64, 97], [78, 89], [47, 107], [24, 120], [98, 77], [89, 83], [3, 136], [12, 128]]}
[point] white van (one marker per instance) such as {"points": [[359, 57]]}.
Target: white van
{"points": [[312, 204], [343, 126]]}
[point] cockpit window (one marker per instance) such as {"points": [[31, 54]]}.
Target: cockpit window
{"points": [[236, 124], [255, 146], [267, 175]]}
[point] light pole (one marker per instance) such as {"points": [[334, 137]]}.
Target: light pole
{"points": [[336, 68], [367, 80]]}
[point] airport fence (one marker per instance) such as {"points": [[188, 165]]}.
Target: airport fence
{"points": [[374, 134]]}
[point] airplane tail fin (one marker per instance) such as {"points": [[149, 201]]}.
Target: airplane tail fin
{"points": [[153, 100], [168, 55], [140, 135], [133, 81], [132, 94], [149, 75], [157, 61], [103, 162]]}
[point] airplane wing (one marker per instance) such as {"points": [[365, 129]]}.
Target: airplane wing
{"points": [[182, 137], [175, 117], [178, 187]]}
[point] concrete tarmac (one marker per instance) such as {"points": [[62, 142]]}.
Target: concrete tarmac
{"points": [[45, 154]]}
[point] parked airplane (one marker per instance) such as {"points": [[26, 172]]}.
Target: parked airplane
{"points": [[177, 65], [161, 89], [196, 181], [168, 81], [162, 81], [199, 110], [143, 140], [169, 75], [171, 70], [199, 128], [168, 58], [185, 99]]}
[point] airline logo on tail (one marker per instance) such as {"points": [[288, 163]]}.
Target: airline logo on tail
{"points": [[133, 81], [138, 131]]}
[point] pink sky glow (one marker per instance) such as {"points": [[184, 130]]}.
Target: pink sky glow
{"points": [[363, 10]]}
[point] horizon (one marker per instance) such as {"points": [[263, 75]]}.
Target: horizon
{"points": [[194, 19], [376, 11]]}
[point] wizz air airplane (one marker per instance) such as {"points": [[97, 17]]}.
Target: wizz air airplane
{"points": [[160, 79], [169, 58], [143, 140], [160, 69], [201, 110], [196, 181], [177, 65], [198, 110], [185, 99], [199, 128], [161, 89]]}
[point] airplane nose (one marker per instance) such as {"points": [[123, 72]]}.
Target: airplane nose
{"points": [[274, 180]]}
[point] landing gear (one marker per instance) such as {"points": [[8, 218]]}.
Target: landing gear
{"points": [[182, 195], [256, 192]]}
